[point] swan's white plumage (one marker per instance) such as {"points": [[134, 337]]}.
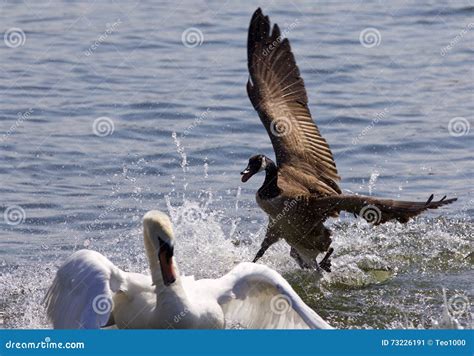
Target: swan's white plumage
{"points": [[250, 295], [84, 276], [257, 297]]}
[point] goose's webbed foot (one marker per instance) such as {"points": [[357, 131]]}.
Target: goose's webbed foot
{"points": [[325, 263]]}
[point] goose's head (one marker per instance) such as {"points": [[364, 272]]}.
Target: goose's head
{"points": [[159, 242], [256, 164]]}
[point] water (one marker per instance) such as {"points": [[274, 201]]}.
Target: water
{"points": [[106, 114]]}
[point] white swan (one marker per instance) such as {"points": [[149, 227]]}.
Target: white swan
{"points": [[89, 291]]}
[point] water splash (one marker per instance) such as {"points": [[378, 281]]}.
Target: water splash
{"points": [[236, 220], [373, 179], [446, 321], [206, 168], [181, 152], [370, 263]]}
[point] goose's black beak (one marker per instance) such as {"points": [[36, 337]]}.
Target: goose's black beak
{"points": [[246, 174], [165, 255], [255, 165]]}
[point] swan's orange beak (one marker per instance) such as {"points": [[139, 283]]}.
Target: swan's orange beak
{"points": [[165, 255]]}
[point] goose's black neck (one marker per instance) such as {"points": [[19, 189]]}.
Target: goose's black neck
{"points": [[270, 189]]}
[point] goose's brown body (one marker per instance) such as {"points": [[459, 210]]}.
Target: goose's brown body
{"points": [[300, 191], [302, 231]]}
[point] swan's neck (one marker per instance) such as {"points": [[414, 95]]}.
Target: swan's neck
{"points": [[270, 189], [154, 263]]}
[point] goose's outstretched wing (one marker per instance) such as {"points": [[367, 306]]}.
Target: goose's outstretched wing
{"points": [[256, 297], [278, 94], [376, 211], [82, 291]]}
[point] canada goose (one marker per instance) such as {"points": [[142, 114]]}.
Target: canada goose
{"points": [[300, 191], [89, 290]]}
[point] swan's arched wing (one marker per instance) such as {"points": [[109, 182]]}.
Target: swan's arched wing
{"points": [[257, 297], [278, 94], [81, 294]]}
